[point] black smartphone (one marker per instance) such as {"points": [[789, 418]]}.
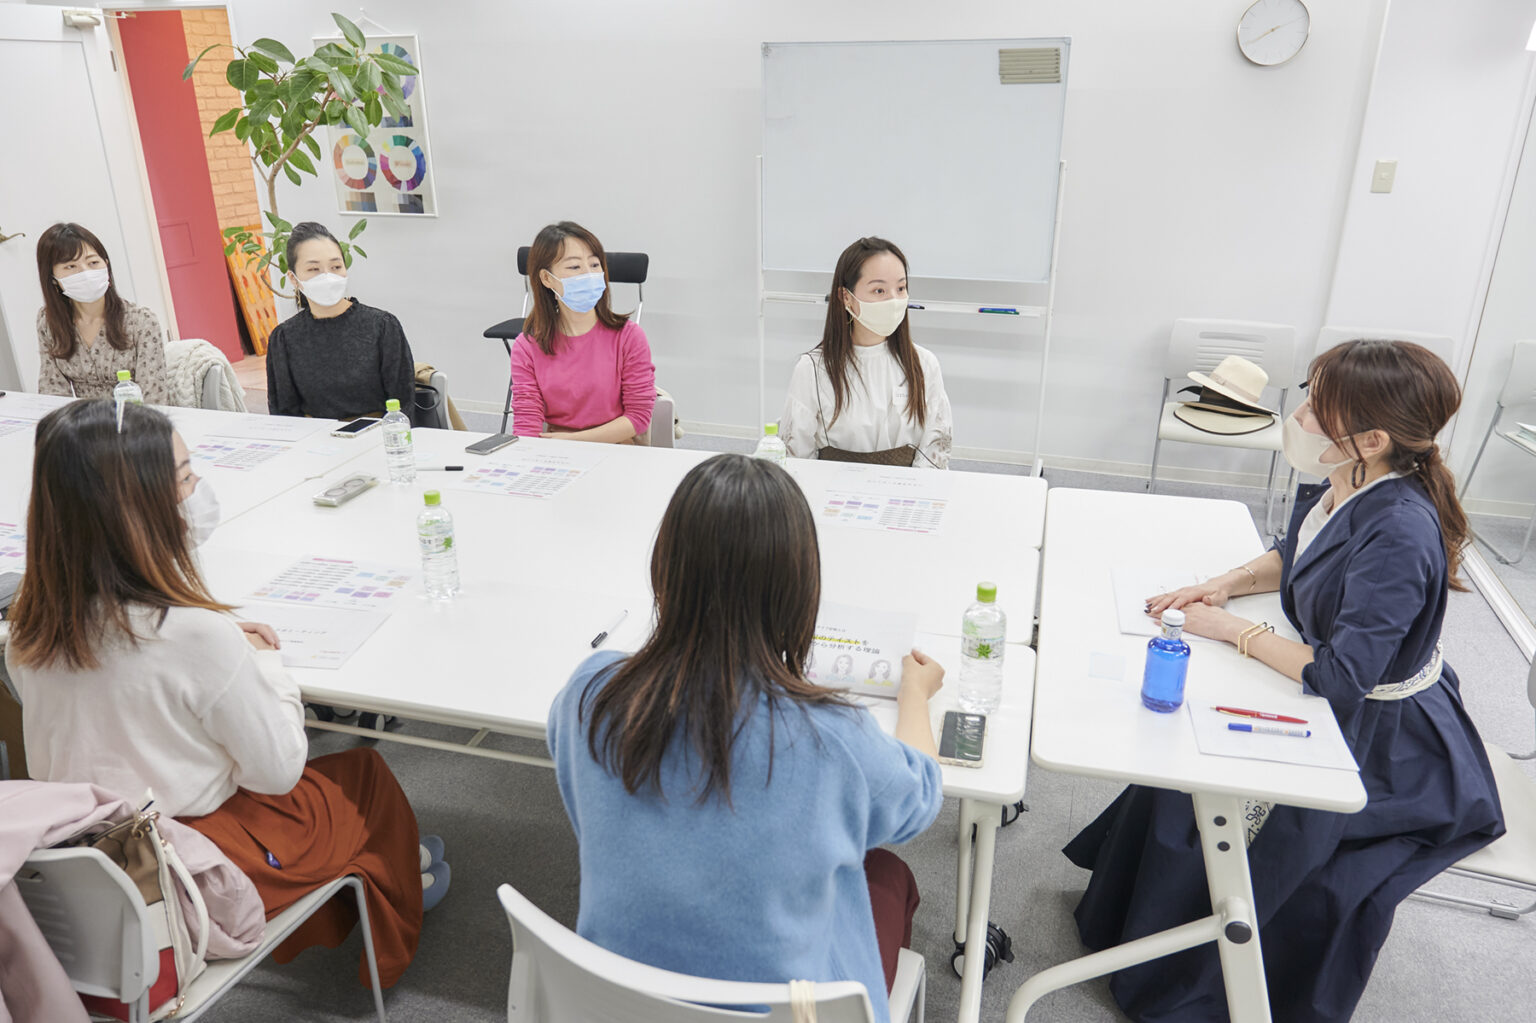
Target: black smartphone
{"points": [[962, 737], [495, 442]]}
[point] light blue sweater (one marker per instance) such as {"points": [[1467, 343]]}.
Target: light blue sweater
{"points": [[770, 888]]}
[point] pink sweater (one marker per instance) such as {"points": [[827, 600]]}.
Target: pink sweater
{"points": [[590, 380]]}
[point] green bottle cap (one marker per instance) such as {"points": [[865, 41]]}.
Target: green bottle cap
{"points": [[123, 374], [986, 592], [392, 405], [770, 429], [433, 498]]}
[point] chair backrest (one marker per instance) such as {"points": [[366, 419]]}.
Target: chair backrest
{"points": [[623, 267], [1201, 345], [559, 976], [1520, 385], [94, 919], [1442, 345]]}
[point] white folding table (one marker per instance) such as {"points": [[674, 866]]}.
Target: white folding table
{"points": [[1085, 724]]}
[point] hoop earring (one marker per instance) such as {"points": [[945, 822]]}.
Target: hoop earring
{"points": [[1357, 475]]}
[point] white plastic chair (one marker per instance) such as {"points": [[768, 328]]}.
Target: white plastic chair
{"points": [[1201, 345], [1519, 390], [1511, 859], [560, 977], [98, 926]]}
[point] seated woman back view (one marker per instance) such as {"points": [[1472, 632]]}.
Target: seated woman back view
{"points": [[335, 358], [132, 677], [728, 811]]}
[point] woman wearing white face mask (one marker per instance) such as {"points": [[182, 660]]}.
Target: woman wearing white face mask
{"points": [[1363, 575], [86, 332], [867, 393], [336, 358]]}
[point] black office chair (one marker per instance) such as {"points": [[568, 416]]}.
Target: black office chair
{"points": [[623, 268]]}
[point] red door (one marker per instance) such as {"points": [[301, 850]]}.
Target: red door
{"points": [[155, 51]]}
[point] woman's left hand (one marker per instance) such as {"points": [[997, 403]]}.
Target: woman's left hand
{"points": [[266, 632], [1213, 622]]}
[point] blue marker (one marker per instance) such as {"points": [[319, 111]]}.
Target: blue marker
{"points": [[1295, 733], [998, 309], [910, 305]]}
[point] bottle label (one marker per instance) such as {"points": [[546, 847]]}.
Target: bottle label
{"points": [[432, 543], [981, 648]]}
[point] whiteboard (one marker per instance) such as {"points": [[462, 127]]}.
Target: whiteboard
{"points": [[917, 142]]}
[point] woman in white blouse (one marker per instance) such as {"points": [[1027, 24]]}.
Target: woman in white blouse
{"points": [[867, 393]]}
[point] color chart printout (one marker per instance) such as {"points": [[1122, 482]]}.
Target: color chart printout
{"points": [[335, 582], [13, 547], [240, 455], [876, 511]]}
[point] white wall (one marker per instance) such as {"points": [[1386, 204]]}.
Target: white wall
{"points": [[1198, 185]]}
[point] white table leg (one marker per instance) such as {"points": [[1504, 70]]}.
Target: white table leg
{"points": [[1223, 842], [1231, 925], [986, 817]]}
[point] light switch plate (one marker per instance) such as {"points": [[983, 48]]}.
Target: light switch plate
{"points": [[1384, 175]]}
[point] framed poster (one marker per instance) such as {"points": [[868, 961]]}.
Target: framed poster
{"points": [[390, 171]]}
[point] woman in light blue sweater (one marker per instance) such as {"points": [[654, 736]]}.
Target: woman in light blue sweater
{"points": [[728, 811]]}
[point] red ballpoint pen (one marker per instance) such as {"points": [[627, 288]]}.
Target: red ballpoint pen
{"points": [[1262, 715]]}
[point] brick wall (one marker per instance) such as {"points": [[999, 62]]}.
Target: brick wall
{"points": [[229, 161]]}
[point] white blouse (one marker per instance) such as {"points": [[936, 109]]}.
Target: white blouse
{"points": [[874, 416], [1324, 510]]}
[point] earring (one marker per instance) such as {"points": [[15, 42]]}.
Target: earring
{"points": [[1357, 475]]}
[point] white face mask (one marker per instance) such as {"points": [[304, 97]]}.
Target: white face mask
{"points": [[1304, 449], [324, 289], [882, 318], [201, 510], [87, 285]]}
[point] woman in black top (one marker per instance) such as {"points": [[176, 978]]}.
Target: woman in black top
{"points": [[336, 358]]}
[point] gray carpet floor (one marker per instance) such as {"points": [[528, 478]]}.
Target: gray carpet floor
{"points": [[503, 823], [1507, 534]]}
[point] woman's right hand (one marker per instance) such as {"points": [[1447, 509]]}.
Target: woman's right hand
{"points": [[1213, 592], [922, 673]]}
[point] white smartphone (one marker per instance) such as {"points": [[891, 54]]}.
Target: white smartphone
{"points": [[355, 427]]}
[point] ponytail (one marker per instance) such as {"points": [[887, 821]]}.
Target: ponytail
{"points": [[1432, 473]]}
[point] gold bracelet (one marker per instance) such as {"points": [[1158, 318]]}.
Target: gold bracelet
{"points": [[1252, 576], [1246, 634]]}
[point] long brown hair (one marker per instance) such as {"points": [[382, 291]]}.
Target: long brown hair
{"points": [[1409, 393], [60, 244], [737, 577], [837, 335], [104, 530], [543, 323]]}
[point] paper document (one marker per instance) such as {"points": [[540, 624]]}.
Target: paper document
{"points": [[860, 649], [234, 453], [255, 427], [1324, 748], [31, 407], [9, 426], [315, 637], [13, 547], [880, 497], [1134, 584], [335, 582], [536, 471]]}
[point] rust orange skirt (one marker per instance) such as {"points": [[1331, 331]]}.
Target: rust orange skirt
{"points": [[347, 815]]}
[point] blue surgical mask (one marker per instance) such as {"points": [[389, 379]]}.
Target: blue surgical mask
{"points": [[583, 291]]}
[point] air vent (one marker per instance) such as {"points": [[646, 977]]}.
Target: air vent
{"points": [[1036, 65]]}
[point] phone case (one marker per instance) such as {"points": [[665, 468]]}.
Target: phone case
{"points": [[952, 740], [503, 440], [340, 493]]}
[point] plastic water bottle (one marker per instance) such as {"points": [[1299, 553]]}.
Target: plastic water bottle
{"points": [[397, 444], [439, 559], [1162, 685], [125, 393], [983, 635], [770, 447]]}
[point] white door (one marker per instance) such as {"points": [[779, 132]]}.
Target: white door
{"points": [[70, 156]]}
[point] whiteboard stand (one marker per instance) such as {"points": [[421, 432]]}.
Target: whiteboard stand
{"points": [[1026, 312]]}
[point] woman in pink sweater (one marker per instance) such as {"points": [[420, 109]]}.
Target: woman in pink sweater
{"points": [[580, 371]]}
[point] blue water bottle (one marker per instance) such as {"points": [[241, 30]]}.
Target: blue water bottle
{"points": [[1162, 686]]}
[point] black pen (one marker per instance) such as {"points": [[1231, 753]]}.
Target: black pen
{"points": [[439, 468], [597, 640]]}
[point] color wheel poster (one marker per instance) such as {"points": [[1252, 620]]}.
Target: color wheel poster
{"points": [[390, 171]]}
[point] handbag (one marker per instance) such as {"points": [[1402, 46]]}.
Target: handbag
{"points": [[138, 848], [890, 456]]}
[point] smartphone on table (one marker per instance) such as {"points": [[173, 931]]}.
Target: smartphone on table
{"points": [[495, 442], [962, 738], [355, 427]]}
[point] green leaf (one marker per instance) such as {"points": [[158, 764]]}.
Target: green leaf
{"points": [[250, 248], [352, 32], [263, 63], [333, 54], [343, 86], [193, 66], [373, 109], [359, 250], [389, 62], [357, 121], [275, 48], [225, 122], [318, 66], [260, 109], [300, 160], [369, 76], [265, 261], [293, 175], [357, 228], [243, 129], [395, 105], [242, 74], [229, 250], [312, 145], [231, 231], [279, 225]]}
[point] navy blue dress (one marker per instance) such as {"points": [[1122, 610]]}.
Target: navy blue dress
{"points": [[1369, 597]]}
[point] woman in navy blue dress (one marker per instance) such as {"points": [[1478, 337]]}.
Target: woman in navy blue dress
{"points": [[1363, 575]]}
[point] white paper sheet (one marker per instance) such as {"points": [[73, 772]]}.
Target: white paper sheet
{"points": [[1324, 748], [315, 637], [9, 425], [336, 583], [881, 497], [16, 405], [535, 471], [255, 427], [1133, 584], [235, 453], [860, 649]]}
